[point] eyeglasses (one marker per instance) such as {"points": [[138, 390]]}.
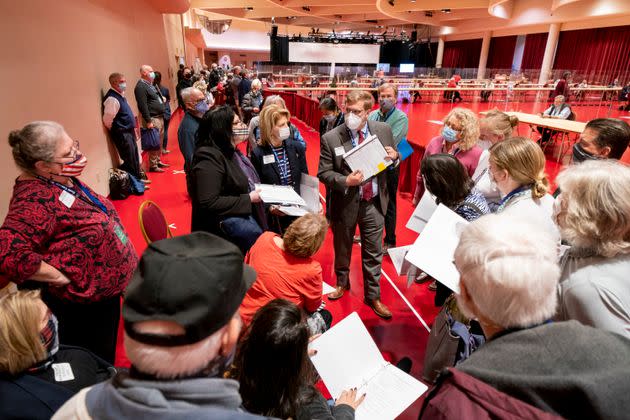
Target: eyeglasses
{"points": [[75, 155], [356, 112]]}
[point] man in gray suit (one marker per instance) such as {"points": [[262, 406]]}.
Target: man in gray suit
{"points": [[355, 200]]}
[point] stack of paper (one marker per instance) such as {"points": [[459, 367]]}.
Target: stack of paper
{"points": [[368, 157], [279, 194], [309, 192], [422, 213], [347, 357], [434, 249]]}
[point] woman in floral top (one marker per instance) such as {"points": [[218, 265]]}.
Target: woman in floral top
{"points": [[64, 238]]}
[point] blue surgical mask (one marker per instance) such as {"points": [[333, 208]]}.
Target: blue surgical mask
{"points": [[449, 134], [202, 107], [122, 87], [152, 75]]}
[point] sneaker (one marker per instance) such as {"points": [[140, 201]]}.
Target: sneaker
{"points": [[421, 278], [433, 286], [356, 239]]}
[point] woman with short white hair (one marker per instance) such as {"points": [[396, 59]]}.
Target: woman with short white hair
{"points": [[593, 213], [508, 282], [252, 101]]}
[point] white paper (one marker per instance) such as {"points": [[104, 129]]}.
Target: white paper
{"points": [[368, 157], [279, 194], [309, 191], [294, 211], [434, 249], [327, 288], [347, 357], [423, 212], [397, 255]]}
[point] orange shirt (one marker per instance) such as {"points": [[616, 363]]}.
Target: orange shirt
{"points": [[280, 276]]}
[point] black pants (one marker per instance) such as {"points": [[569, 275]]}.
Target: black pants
{"points": [[546, 134], [93, 326], [165, 139], [390, 214], [125, 142]]}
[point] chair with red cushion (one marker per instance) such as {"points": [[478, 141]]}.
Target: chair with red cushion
{"points": [[152, 222]]}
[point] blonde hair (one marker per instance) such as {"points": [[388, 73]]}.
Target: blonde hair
{"points": [[305, 235], [488, 251], [391, 86], [500, 123], [524, 160], [355, 96], [257, 83], [201, 85], [596, 206], [470, 127], [20, 344], [269, 117]]}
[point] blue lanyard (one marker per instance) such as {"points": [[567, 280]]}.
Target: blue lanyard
{"points": [[354, 141], [91, 199], [283, 165], [512, 194], [389, 114]]}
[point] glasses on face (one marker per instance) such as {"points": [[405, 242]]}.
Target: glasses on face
{"points": [[71, 157], [356, 112]]}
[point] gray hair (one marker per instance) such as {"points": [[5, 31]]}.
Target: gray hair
{"points": [[256, 83], [188, 93], [561, 97], [275, 100], [35, 142]]}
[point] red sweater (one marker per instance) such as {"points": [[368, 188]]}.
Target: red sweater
{"points": [[79, 241]]}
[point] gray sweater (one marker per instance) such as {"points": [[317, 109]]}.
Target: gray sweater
{"points": [[565, 368], [150, 103], [595, 290]]}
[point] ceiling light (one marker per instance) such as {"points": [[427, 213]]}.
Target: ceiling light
{"points": [[249, 8], [446, 10]]}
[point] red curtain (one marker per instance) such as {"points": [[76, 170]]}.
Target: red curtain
{"points": [[534, 51], [598, 55], [462, 54], [501, 52]]}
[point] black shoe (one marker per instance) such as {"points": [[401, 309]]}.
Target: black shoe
{"points": [[404, 364]]}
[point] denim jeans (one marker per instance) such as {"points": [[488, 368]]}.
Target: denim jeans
{"points": [[243, 231]]}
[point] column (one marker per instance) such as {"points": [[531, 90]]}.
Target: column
{"points": [[483, 57], [519, 49], [440, 53], [550, 52]]}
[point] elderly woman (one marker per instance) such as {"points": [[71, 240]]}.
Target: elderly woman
{"points": [[66, 239], [593, 213], [37, 375], [254, 124], [563, 368], [278, 159], [286, 269], [252, 101], [459, 138], [221, 181], [494, 127], [517, 167]]}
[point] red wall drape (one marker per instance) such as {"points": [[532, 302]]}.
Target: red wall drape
{"points": [[462, 54], [597, 54], [501, 52], [534, 51]]}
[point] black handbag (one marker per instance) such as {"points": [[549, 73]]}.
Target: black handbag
{"points": [[119, 184], [150, 138]]}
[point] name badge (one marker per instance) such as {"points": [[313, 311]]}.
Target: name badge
{"points": [[339, 151], [63, 372], [268, 159], [120, 233], [67, 199]]}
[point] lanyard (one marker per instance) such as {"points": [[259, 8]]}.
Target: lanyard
{"points": [[455, 151], [514, 193], [384, 118], [354, 141], [283, 165], [91, 199]]}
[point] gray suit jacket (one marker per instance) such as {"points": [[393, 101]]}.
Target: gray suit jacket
{"points": [[333, 170]]}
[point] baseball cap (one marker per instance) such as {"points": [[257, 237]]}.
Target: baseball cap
{"points": [[197, 281]]}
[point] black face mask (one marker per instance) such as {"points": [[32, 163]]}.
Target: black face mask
{"points": [[580, 155], [187, 76]]}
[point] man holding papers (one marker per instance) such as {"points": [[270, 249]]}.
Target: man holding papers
{"points": [[355, 200]]}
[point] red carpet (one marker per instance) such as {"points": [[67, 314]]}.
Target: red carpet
{"points": [[404, 335]]}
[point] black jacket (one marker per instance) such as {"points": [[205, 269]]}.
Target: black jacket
{"points": [[218, 189], [270, 173], [323, 124], [149, 101]]}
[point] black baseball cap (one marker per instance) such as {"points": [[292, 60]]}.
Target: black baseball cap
{"points": [[197, 280]]}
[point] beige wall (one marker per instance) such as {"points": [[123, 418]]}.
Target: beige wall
{"points": [[56, 59]]}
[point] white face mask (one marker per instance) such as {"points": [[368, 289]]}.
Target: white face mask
{"points": [[284, 133], [353, 122]]}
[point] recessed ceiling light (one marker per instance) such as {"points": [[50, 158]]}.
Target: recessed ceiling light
{"points": [[446, 10]]}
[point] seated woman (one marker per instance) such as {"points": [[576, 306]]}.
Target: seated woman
{"points": [[37, 375], [278, 159], [252, 101], [221, 181], [494, 127], [459, 138], [517, 166], [274, 371], [593, 213], [286, 270], [254, 124], [446, 178], [508, 279]]}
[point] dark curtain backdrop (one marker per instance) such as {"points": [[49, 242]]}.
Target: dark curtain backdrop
{"points": [[279, 48], [501, 52], [598, 53], [462, 54], [534, 51]]}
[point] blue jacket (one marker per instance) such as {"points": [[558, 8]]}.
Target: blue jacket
{"points": [[186, 137]]}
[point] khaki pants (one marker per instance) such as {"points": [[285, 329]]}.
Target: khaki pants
{"points": [[154, 155]]}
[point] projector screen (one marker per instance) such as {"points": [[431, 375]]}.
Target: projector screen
{"points": [[383, 67], [315, 52], [406, 68]]}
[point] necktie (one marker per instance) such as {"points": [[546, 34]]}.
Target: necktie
{"points": [[366, 189]]}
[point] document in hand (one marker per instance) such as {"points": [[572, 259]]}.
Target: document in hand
{"points": [[347, 357], [368, 157], [434, 249], [279, 194], [309, 191], [422, 213]]}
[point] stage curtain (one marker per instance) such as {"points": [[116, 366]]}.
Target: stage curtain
{"points": [[598, 55], [534, 51], [462, 54], [501, 52]]}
